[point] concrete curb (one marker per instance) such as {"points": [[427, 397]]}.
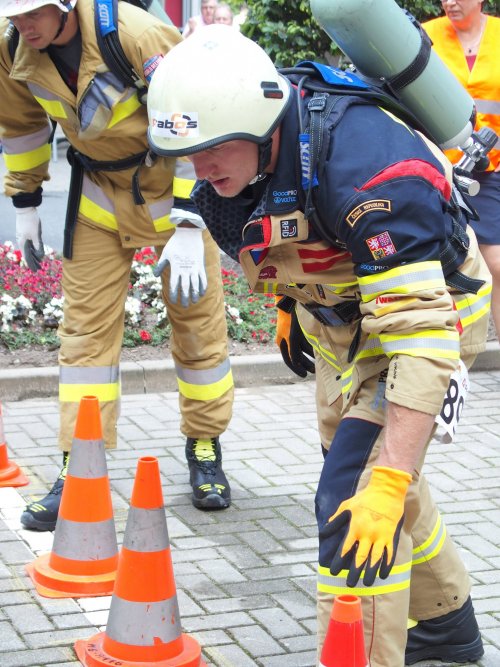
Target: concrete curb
{"points": [[148, 377], [145, 377]]}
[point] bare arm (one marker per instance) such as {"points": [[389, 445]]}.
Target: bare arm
{"points": [[406, 434]]}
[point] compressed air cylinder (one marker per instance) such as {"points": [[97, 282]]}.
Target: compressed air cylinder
{"points": [[381, 41]]}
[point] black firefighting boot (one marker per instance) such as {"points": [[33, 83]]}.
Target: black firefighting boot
{"points": [[42, 514], [454, 637], [211, 490]]}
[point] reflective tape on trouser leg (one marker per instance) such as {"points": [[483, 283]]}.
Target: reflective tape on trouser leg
{"points": [[76, 382], [345, 463], [439, 580]]}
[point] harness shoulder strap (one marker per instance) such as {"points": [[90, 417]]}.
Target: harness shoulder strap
{"points": [[12, 37], [108, 40]]}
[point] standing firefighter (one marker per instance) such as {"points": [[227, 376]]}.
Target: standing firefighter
{"points": [[119, 201], [392, 294]]}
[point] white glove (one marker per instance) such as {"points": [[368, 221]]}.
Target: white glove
{"points": [[29, 236], [185, 252]]}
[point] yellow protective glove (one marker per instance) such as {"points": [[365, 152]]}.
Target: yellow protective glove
{"points": [[364, 531], [295, 349]]}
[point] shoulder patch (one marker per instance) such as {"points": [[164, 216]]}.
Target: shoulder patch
{"points": [[381, 245], [367, 207]]}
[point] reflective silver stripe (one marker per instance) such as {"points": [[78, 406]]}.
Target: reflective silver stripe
{"points": [[406, 343], [87, 460], [406, 280], [398, 579], [491, 107], [143, 623], [203, 377], [45, 94], [371, 348], [146, 530], [432, 546], [85, 541], [96, 195], [28, 142], [161, 208], [184, 169], [88, 374]]}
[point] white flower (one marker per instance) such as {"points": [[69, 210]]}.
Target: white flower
{"points": [[161, 310], [233, 313], [133, 310], [54, 309]]}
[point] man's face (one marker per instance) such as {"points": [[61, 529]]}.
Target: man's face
{"points": [[207, 11], [39, 27], [223, 15], [229, 167]]}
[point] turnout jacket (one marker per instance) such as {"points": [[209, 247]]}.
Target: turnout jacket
{"points": [[384, 288], [104, 121], [482, 81]]}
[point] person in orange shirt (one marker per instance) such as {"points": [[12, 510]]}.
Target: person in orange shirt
{"points": [[468, 41]]}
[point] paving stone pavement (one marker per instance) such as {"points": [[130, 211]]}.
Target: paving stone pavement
{"points": [[245, 577]]}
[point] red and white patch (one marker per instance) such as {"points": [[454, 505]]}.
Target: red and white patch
{"points": [[149, 66], [268, 273], [381, 245]]}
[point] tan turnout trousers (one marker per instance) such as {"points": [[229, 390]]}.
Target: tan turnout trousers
{"points": [[95, 284]]}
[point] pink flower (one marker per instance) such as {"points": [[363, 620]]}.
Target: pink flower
{"points": [[145, 335]]}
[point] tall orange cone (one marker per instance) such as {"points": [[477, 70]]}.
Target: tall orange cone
{"points": [[84, 556], [10, 472], [344, 644], [144, 628]]}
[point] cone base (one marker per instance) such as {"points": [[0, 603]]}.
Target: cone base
{"points": [[11, 475], [90, 653], [53, 584]]}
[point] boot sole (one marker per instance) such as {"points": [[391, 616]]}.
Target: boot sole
{"points": [[211, 502], [29, 522], [454, 654]]}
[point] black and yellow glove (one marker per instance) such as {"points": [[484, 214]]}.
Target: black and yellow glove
{"points": [[295, 349], [363, 534]]}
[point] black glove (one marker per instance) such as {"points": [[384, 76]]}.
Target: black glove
{"points": [[295, 349]]}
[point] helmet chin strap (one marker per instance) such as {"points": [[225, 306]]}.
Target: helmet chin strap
{"points": [[62, 24], [264, 159]]}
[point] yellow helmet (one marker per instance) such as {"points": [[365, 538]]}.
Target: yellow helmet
{"points": [[213, 87]]}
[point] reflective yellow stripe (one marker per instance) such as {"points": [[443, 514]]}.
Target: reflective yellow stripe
{"points": [[372, 348], [124, 110], [339, 288], [52, 107], [206, 392], [72, 393], [268, 288], [96, 213], [432, 546], [406, 279], [325, 354], [28, 160], [347, 380], [434, 343], [398, 580], [163, 223], [474, 306], [182, 187]]}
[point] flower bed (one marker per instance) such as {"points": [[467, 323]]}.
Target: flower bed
{"points": [[31, 304]]}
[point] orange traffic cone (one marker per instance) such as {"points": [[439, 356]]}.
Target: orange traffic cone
{"points": [[344, 644], [84, 555], [10, 472], [144, 628]]}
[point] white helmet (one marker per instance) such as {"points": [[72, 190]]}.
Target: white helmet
{"points": [[16, 7], [214, 87]]}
